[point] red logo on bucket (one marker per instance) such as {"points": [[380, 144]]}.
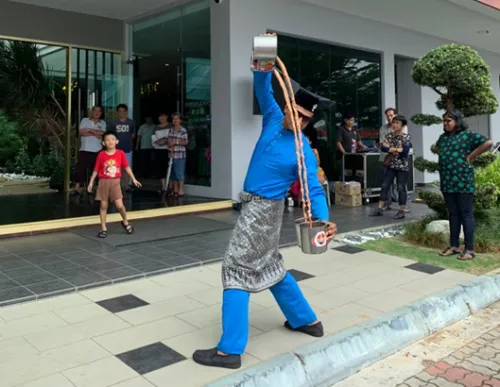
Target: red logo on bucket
{"points": [[319, 240]]}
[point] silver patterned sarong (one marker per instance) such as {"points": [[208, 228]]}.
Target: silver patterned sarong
{"points": [[252, 261]]}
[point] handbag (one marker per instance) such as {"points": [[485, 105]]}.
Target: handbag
{"points": [[388, 159]]}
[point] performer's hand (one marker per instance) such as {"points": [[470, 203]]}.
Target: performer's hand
{"points": [[331, 230]]}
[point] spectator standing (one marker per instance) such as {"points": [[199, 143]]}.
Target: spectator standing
{"points": [[91, 131], [160, 143], [177, 141], [385, 130], [397, 146], [125, 131], [145, 147], [458, 147], [348, 141]]}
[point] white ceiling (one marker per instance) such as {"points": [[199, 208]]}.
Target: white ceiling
{"points": [[114, 9], [454, 20]]}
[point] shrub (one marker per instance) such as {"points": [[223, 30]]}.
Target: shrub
{"points": [[10, 141]]}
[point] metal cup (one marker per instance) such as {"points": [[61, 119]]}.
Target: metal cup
{"points": [[314, 239], [265, 47], [298, 222], [265, 51]]}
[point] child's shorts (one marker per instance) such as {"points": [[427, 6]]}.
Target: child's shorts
{"points": [[109, 189]]}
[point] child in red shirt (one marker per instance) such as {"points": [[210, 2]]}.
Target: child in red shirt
{"points": [[108, 167]]}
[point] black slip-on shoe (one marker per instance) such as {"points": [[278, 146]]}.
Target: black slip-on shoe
{"points": [[210, 358], [400, 215], [377, 212], [315, 330]]}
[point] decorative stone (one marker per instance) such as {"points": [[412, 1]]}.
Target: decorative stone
{"points": [[358, 239], [440, 227]]}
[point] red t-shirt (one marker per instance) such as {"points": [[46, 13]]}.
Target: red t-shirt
{"points": [[110, 166]]}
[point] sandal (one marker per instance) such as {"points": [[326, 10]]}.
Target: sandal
{"points": [[128, 228], [466, 256], [102, 234], [449, 251]]}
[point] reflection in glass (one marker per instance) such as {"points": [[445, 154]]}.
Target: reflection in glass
{"points": [[350, 78], [173, 70]]}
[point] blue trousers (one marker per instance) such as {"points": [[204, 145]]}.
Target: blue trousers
{"points": [[235, 306]]}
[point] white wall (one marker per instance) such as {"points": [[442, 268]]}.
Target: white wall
{"points": [[236, 132]]}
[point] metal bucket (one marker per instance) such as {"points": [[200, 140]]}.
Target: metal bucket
{"points": [[265, 47], [265, 51], [298, 222], [314, 239]]}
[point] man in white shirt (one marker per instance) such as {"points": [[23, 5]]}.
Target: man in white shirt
{"points": [[91, 131]]}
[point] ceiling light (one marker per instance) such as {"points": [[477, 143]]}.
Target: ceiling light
{"points": [[482, 32], [167, 64]]}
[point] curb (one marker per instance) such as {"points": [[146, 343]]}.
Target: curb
{"points": [[334, 358]]}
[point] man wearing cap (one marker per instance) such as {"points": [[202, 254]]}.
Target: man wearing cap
{"points": [[253, 262]]}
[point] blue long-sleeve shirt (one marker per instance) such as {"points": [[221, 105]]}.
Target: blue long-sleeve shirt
{"points": [[273, 167]]}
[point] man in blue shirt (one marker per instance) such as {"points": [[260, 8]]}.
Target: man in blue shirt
{"points": [[124, 128], [253, 262]]}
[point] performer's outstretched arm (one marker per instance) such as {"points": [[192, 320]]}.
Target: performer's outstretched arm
{"points": [[319, 207], [272, 114]]}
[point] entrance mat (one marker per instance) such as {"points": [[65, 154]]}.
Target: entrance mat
{"points": [[154, 230]]}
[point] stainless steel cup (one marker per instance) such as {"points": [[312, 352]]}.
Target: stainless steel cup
{"points": [[265, 51], [298, 222], [265, 47], [313, 239]]}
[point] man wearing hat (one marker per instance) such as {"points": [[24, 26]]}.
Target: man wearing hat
{"points": [[253, 262]]}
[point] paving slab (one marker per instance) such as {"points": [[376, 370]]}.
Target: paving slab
{"points": [[143, 332]]}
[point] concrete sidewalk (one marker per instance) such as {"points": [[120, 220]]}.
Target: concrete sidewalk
{"points": [[142, 333], [466, 354]]}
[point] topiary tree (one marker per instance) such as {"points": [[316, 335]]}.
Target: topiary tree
{"points": [[462, 80]]}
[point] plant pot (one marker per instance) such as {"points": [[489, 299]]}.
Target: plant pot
{"points": [[313, 239], [298, 222]]}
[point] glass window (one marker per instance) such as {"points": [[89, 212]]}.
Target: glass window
{"points": [[172, 74], [348, 80]]}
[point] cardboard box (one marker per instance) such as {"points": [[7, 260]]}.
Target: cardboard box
{"points": [[349, 188], [349, 200]]}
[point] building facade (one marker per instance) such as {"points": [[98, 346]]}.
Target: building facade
{"points": [[194, 57]]}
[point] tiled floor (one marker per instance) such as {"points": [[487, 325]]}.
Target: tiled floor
{"points": [[58, 263], [142, 333]]}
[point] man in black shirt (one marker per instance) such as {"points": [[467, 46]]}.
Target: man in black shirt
{"points": [[348, 140]]}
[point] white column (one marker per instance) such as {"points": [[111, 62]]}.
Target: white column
{"points": [[128, 69], [388, 81]]}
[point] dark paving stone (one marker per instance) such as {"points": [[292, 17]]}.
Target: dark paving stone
{"points": [[189, 250], [132, 260], [300, 275], [122, 303], [24, 272], [15, 295], [348, 249], [180, 261], [43, 259], [59, 264], [163, 255], [121, 273], [102, 265], [7, 283], [35, 278], [81, 276], [206, 256], [155, 229], [13, 263], [148, 266], [424, 268], [150, 358], [35, 254], [77, 254], [58, 285], [120, 256]]}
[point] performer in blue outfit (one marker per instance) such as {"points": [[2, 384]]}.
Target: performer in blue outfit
{"points": [[253, 262]]}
